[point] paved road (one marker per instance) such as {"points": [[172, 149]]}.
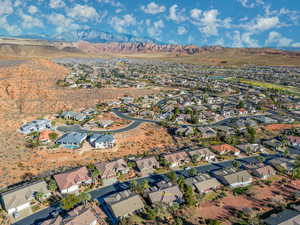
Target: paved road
{"points": [[138, 121], [103, 192]]}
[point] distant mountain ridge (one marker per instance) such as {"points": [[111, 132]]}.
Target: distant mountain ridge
{"points": [[90, 35]]}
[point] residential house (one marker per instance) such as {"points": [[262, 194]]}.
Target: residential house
{"points": [[202, 154], [19, 198], [274, 144], [125, 203], [105, 123], [102, 140], [282, 164], [252, 148], [71, 181], [203, 183], [70, 115], [166, 194], [110, 170], [77, 216], [35, 126], [147, 165], [225, 149], [286, 217], [184, 131], [71, 140], [294, 141], [225, 130], [177, 159], [207, 132], [260, 170], [265, 119], [233, 177]]}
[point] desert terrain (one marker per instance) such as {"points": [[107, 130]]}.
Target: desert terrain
{"points": [[28, 91]]}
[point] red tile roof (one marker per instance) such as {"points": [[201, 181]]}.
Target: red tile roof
{"points": [[68, 179]]}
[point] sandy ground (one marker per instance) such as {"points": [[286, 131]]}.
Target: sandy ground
{"points": [[261, 196], [28, 91]]}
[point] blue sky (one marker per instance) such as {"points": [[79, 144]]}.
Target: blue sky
{"points": [[234, 23]]}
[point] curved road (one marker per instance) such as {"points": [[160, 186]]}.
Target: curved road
{"points": [[138, 121]]}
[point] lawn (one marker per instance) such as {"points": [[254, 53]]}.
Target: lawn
{"points": [[278, 87]]}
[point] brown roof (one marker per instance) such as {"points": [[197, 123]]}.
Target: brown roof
{"points": [[266, 170], [146, 163], [177, 156], [23, 194], [166, 195], [78, 216], [110, 169], [224, 148], [123, 203], [68, 179]]}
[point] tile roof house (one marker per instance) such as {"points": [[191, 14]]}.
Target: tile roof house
{"points": [[71, 140], [147, 165], [203, 183], [167, 195], [110, 170], [177, 159], [251, 148], [202, 154], [260, 170], [70, 181], [125, 203], [233, 177], [207, 132], [35, 126], [282, 163], [286, 217], [102, 140], [18, 199], [225, 149], [78, 216]]}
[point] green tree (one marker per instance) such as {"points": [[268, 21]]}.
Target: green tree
{"points": [[193, 172], [52, 186], [236, 164], [181, 183], [252, 134], [53, 136], [39, 196], [260, 159], [189, 196], [172, 176], [296, 173], [69, 202]]}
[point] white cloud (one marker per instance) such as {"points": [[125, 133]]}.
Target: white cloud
{"points": [[277, 39], [6, 7], [242, 40], [176, 16], [153, 8], [181, 30], [190, 39], [62, 23], [196, 13], [210, 22], [29, 21], [155, 29], [32, 9], [83, 13], [262, 24], [10, 29], [54, 4], [120, 24], [247, 3], [111, 2], [296, 45]]}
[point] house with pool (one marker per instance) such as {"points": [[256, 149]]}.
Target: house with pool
{"points": [[71, 140]]}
